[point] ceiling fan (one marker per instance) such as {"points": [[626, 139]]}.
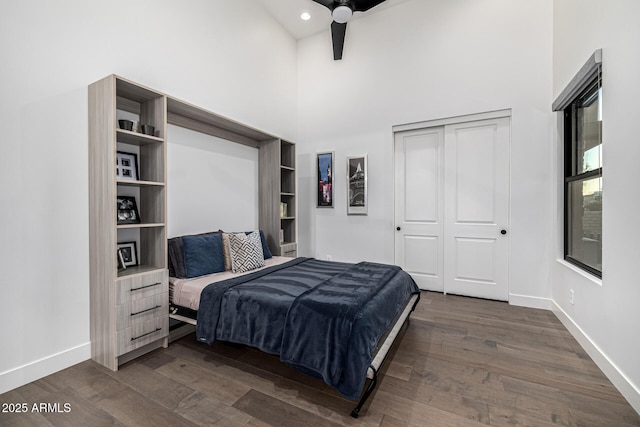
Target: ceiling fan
{"points": [[341, 12]]}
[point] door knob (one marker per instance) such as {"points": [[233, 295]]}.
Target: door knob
{"points": [[398, 228], [503, 232]]}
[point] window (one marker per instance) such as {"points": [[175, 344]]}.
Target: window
{"points": [[581, 105], [583, 180]]}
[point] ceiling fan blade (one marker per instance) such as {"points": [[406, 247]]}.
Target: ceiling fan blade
{"points": [[364, 5], [338, 32], [326, 3]]}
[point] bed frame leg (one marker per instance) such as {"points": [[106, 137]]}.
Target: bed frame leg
{"points": [[374, 381], [367, 393]]}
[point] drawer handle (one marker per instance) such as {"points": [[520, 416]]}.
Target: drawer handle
{"points": [[148, 309], [144, 335], [144, 287]]}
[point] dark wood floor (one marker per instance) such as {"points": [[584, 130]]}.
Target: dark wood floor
{"points": [[460, 362]]}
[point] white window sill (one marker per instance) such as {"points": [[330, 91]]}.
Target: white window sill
{"points": [[586, 275]]}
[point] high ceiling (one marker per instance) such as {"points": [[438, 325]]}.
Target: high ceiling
{"points": [[287, 13]]}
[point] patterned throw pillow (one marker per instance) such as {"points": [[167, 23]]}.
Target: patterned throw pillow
{"points": [[246, 252], [227, 253]]}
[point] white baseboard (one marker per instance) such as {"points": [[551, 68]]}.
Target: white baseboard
{"points": [[619, 380], [17, 377], [531, 302]]}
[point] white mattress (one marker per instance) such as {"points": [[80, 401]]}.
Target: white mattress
{"points": [[186, 292]]}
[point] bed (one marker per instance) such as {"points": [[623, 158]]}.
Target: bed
{"points": [[334, 321]]}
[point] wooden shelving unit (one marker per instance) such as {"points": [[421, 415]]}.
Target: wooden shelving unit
{"points": [[116, 336], [129, 308], [278, 186]]}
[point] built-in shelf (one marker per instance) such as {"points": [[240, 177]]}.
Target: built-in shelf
{"points": [[136, 138], [277, 186], [113, 291], [135, 183], [140, 225]]}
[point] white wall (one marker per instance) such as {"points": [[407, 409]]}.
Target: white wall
{"points": [[212, 184], [421, 60], [230, 57], [424, 60], [605, 315]]}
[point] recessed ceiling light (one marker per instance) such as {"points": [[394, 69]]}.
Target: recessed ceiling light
{"points": [[305, 16]]}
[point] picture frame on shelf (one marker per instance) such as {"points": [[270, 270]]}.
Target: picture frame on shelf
{"points": [[121, 262], [324, 179], [357, 197], [127, 210], [126, 166], [127, 254]]}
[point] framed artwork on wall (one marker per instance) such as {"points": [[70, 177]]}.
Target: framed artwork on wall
{"points": [[126, 166], [357, 185], [127, 210], [324, 165]]}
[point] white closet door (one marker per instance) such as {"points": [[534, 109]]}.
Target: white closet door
{"points": [[476, 242], [452, 207], [419, 159]]}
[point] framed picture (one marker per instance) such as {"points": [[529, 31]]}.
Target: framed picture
{"points": [[324, 164], [357, 185], [126, 166], [127, 211], [127, 254]]}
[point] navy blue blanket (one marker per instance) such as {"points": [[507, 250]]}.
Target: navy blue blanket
{"points": [[324, 318]]}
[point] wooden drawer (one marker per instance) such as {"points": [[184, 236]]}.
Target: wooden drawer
{"points": [[289, 250], [142, 333], [140, 286], [141, 310]]}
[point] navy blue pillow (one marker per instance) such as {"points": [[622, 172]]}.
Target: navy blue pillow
{"points": [[202, 255], [265, 248]]}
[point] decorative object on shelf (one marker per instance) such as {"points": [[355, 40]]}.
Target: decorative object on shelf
{"points": [[122, 265], [128, 254], [127, 210], [284, 210], [281, 235], [125, 124], [357, 184], [324, 164], [126, 166], [148, 130]]}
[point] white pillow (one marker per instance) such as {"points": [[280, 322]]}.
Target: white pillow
{"points": [[246, 251]]}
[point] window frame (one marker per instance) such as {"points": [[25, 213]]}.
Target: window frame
{"points": [[583, 83], [571, 175]]}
